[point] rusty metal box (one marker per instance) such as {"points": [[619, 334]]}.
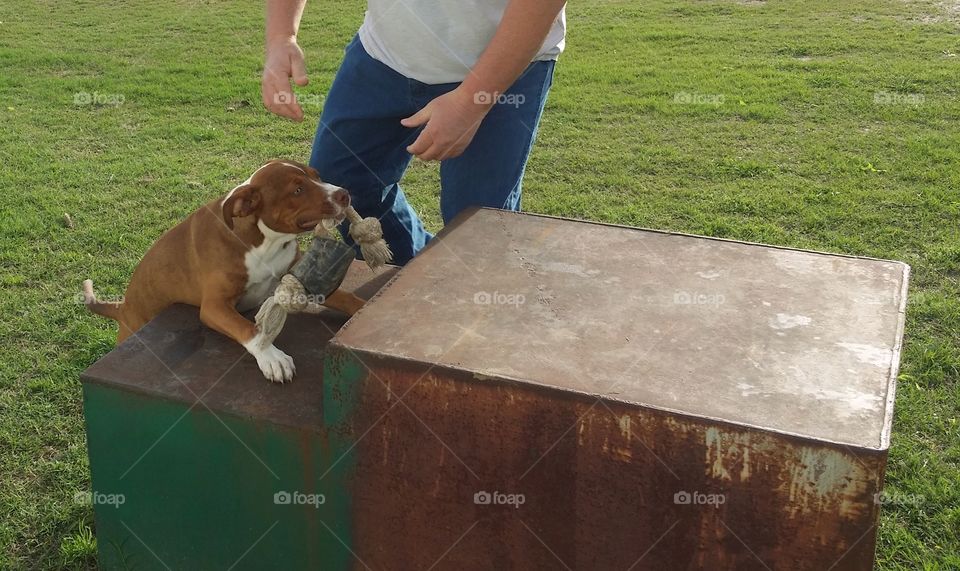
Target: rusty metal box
{"points": [[528, 393], [539, 393]]}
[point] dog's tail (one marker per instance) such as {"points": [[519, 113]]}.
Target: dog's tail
{"points": [[106, 309]]}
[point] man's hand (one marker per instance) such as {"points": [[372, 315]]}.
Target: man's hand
{"points": [[284, 61], [451, 122], [452, 119]]}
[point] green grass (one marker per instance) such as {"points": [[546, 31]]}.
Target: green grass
{"points": [[799, 153]]}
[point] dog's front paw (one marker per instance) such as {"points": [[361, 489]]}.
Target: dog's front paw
{"points": [[275, 365]]}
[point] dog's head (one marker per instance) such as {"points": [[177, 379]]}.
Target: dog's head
{"points": [[288, 197]]}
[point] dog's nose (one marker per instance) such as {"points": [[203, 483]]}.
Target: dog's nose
{"points": [[341, 197]]}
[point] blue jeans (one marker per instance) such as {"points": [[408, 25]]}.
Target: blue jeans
{"points": [[361, 145]]}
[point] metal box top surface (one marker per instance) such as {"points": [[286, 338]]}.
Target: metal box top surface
{"points": [[797, 342]]}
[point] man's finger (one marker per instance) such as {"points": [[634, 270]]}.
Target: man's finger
{"points": [[423, 142], [299, 70], [294, 111], [432, 154], [290, 111], [418, 118], [280, 100], [297, 112]]}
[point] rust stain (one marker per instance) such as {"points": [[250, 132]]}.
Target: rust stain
{"points": [[599, 487]]}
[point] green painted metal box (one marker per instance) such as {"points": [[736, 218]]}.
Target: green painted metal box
{"points": [[528, 393], [199, 463]]}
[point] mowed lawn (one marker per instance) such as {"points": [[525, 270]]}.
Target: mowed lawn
{"points": [[824, 125]]}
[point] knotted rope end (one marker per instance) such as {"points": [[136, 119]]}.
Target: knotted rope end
{"points": [[368, 233]]}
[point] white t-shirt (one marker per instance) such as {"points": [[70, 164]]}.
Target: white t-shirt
{"points": [[439, 41]]}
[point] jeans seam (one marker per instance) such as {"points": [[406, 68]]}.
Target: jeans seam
{"points": [[542, 97], [518, 174]]}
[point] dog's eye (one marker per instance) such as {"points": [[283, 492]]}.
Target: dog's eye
{"points": [[299, 190]]}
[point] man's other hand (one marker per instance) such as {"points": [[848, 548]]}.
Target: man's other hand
{"points": [[284, 62]]}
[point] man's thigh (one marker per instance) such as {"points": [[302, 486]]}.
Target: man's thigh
{"points": [[489, 172], [360, 143]]}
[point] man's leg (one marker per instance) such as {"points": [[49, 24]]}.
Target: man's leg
{"points": [[361, 146], [490, 171]]}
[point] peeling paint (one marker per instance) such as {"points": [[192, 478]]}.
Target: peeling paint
{"points": [[567, 268], [876, 356], [787, 321], [745, 470], [822, 480], [625, 426], [714, 454], [623, 454], [436, 482], [795, 262]]}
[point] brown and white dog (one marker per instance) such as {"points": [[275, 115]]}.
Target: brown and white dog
{"points": [[228, 257]]}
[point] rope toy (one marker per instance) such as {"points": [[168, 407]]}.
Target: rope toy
{"points": [[369, 235], [323, 268]]}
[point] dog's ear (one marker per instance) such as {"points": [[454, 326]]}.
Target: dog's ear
{"points": [[242, 201]]}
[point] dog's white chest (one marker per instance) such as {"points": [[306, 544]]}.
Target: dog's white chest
{"points": [[265, 265]]}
